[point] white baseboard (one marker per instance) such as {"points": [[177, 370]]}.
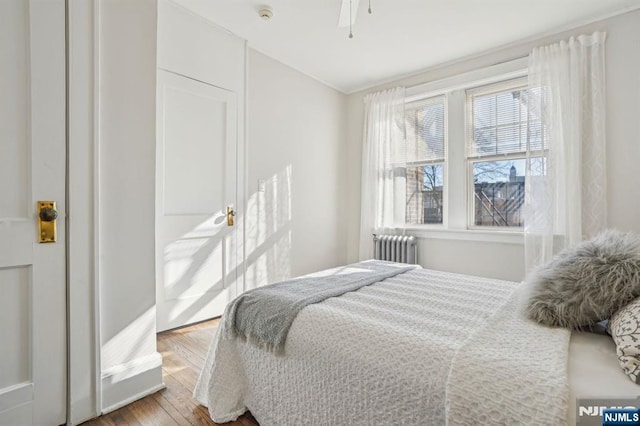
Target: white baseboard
{"points": [[16, 403], [126, 383]]}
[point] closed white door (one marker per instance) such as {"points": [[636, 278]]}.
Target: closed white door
{"points": [[196, 186], [32, 167]]}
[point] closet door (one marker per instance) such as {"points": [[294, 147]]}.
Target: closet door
{"points": [[195, 200], [33, 345], [200, 167]]}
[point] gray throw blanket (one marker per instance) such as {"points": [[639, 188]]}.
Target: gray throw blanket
{"points": [[264, 315]]}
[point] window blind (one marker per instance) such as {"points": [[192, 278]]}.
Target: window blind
{"points": [[425, 130], [501, 121]]}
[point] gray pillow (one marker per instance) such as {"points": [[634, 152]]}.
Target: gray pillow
{"points": [[587, 283]]}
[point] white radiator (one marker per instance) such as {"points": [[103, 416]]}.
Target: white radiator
{"points": [[396, 248]]}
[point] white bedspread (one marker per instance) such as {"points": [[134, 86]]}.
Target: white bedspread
{"points": [[424, 348]]}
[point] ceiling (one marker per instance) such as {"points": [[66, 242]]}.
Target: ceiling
{"points": [[400, 37]]}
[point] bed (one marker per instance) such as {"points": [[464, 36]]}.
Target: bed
{"points": [[423, 347]]}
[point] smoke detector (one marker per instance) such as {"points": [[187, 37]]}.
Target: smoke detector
{"points": [[265, 14]]}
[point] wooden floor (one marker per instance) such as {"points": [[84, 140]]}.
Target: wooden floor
{"points": [[183, 352]]}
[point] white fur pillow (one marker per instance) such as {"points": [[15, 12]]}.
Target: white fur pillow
{"points": [[624, 327], [587, 283]]}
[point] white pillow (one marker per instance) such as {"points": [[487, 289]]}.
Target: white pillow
{"points": [[624, 327]]}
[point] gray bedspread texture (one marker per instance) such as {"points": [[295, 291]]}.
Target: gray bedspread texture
{"points": [[263, 316]]}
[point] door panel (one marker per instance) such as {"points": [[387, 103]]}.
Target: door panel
{"points": [[196, 167], [32, 167], [14, 87], [191, 121], [15, 314]]}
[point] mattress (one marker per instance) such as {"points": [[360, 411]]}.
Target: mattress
{"points": [[594, 371]]}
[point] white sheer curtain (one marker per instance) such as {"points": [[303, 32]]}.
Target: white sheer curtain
{"points": [[566, 202], [383, 159]]}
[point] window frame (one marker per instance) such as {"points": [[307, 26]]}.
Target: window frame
{"points": [[444, 161], [497, 87], [455, 224]]}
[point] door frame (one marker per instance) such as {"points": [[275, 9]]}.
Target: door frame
{"points": [[168, 81], [83, 333], [84, 397]]}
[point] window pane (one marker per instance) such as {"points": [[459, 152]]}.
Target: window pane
{"points": [[486, 141], [424, 194], [484, 112], [509, 139], [500, 122], [498, 192], [535, 135], [424, 124]]}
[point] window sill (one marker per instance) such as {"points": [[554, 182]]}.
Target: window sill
{"points": [[505, 237]]}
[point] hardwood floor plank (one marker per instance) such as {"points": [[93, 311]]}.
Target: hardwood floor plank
{"points": [[104, 420], [181, 346], [183, 354], [183, 369], [149, 412], [159, 397], [180, 398], [124, 416], [187, 377]]}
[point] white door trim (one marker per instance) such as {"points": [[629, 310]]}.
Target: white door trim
{"points": [[83, 48]]}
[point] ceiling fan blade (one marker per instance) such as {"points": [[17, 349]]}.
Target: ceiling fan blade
{"points": [[343, 19]]}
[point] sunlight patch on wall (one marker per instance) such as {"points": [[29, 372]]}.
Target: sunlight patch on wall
{"points": [[134, 340], [190, 267], [268, 232]]}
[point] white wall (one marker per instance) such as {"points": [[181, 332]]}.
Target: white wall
{"points": [[296, 144], [505, 260], [130, 364]]}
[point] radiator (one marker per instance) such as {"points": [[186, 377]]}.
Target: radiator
{"points": [[396, 248]]}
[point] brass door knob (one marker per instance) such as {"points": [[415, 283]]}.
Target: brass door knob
{"points": [[230, 214], [48, 214]]}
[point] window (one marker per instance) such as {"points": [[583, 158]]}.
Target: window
{"points": [[470, 140], [425, 134], [501, 132]]}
